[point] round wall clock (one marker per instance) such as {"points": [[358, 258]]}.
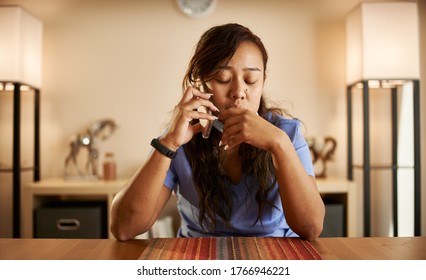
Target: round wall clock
{"points": [[196, 8]]}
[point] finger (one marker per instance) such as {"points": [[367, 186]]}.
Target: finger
{"points": [[201, 115], [188, 95], [231, 112], [231, 142], [194, 104], [233, 124], [193, 93], [189, 115], [238, 129], [229, 132], [240, 106]]}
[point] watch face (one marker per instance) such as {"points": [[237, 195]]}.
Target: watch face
{"points": [[196, 8]]}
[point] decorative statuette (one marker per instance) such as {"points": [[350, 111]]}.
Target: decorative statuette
{"points": [[322, 150], [88, 138]]}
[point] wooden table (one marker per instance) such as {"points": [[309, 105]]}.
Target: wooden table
{"points": [[372, 248], [337, 248]]}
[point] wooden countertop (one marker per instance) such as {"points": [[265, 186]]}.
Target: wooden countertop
{"points": [[336, 248]]}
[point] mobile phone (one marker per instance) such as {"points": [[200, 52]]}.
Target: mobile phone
{"points": [[206, 125]]}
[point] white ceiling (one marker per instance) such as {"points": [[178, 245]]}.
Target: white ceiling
{"points": [[324, 9]]}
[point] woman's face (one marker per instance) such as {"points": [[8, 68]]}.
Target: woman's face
{"points": [[241, 81]]}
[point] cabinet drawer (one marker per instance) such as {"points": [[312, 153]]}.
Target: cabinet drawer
{"points": [[70, 222]]}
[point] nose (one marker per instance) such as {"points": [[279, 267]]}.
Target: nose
{"points": [[238, 91]]}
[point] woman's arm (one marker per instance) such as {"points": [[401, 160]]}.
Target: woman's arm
{"points": [[301, 201], [137, 206]]}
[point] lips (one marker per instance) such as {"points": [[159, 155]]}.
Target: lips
{"points": [[239, 105]]}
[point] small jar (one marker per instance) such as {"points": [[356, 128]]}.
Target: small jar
{"points": [[109, 167]]}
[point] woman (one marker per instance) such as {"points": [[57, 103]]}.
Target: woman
{"points": [[254, 179]]}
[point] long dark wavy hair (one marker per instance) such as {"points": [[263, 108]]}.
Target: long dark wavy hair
{"points": [[215, 48]]}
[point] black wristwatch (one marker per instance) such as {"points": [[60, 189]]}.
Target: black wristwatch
{"points": [[162, 149]]}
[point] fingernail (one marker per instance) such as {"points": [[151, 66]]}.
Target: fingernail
{"points": [[220, 143], [225, 148]]}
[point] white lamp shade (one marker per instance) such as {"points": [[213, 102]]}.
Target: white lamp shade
{"points": [[382, 42], [20, 46]]}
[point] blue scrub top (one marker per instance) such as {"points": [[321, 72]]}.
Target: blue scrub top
{"points": [[245, 207]]}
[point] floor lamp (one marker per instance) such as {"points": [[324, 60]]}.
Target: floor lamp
{"points": [[20, 70], [382, 49]]}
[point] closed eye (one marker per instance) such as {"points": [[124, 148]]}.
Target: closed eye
{"points": [[223, 81], [250, 82]]}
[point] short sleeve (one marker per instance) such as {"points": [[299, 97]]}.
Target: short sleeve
{"points": [[302, 150], [292, 128], [171, 177]]}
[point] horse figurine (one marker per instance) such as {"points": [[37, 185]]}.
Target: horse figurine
{"points": [[102, 129], [322, 150]]}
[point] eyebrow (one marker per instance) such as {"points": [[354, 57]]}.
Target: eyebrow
{"points": [[245, 69]]}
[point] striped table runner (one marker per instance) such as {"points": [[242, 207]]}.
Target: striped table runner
{"points": [[230, 248]]}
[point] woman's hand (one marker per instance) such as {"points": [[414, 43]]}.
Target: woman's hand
{"points": [[244, 126], [181, 130]]}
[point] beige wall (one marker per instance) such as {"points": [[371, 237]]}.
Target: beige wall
{"points": [[125, 60]]}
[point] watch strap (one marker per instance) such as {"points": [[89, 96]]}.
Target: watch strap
{"points": [[162, 149]]}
